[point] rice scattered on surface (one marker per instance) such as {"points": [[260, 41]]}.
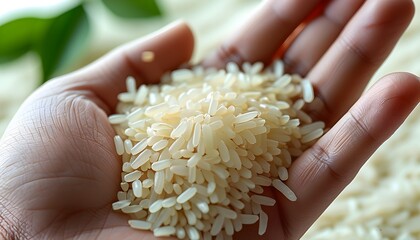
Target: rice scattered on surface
{"points": [[198, 149]]}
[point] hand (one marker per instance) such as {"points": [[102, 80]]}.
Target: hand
{"points": [[338, 52], [59, 172]]}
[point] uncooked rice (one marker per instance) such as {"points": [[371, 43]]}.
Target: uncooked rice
{"points": [[147, 56], [198, 149]]}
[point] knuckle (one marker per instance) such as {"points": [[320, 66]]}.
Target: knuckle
{"points": [[325, 159], [229, 53]]}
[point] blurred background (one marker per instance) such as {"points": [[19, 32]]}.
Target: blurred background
{"points": [[46, 38]]}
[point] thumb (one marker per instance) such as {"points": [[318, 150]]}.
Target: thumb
{"points": [[171, 46]]}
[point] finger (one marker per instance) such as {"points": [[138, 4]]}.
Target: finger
{"points": [[323, 171], [318, 35], [105, 78], [342, 73], [260, 37]]}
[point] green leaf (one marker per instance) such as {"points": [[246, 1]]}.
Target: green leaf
{"points": [[64, 41], [133, 8], [17, 37]]}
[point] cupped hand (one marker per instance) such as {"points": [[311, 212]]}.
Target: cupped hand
{"points": [[59, 172]]}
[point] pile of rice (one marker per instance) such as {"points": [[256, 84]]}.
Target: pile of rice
{"points": [[198, 149]]}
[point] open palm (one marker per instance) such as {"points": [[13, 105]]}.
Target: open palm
{"points": [[59, 172]]}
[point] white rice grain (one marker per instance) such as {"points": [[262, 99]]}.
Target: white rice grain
{"points": [[245, 117], [182, 75], [308, 128], [193, 233], [132, 209], [128, 145], [180, 233], [176, 145], [147, 183], [156, 206], [283, 188], [278, 68], [159, 181], [186, 195], [248, 218], [228, 226], [193, 161], [159, 108], [203, 207], [179, 170], [308, 91], [141, 159], [169, 202], [121, 204], [117, 118], [232, 67], [256, 68], [131, 85], [147, 56], [263, 200], [161, 144], [263, 223], [217, 225], [283, 173], [213, 104], [139, 224], [196, 135], [191, 217], [141, 96], [161, 165], [164, 231], [179, 130], [119, 145], [312, 135], [137, 188], [133, 176], [226, 213]]}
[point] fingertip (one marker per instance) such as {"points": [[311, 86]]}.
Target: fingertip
{"points": [[392, 13], [410, 92], [181, 30], [411, 8], [390, 101], [403, 85]]}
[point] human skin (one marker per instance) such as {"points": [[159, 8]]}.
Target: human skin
{"points": [[59, 172]]}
